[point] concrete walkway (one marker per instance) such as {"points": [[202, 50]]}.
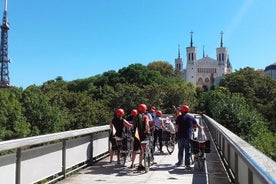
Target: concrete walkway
{"points": [[162, 172]]}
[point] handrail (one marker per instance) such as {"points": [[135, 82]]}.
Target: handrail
{"points": [[30, 141], [239, 154], [57, 151]]}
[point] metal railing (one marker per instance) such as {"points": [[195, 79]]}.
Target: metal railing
{"points": [[53, 156], [246, 164]]}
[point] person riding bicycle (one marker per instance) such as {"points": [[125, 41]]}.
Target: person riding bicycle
{"points": [[169, 128], [159, 126], [141, 129], [184, 127], [117, 125]]}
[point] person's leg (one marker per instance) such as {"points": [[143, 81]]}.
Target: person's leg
{"points": [[133, 156], [111, 153], [112, 149], [187, 153], [180, 151], [160, 139], [155, 134]]}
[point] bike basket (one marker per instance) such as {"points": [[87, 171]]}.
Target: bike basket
{"points": [[144, 144], [201, 145], [197, 145], [119, 141], [194, 146]]}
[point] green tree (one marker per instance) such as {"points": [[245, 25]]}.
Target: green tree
{"points": [[259, 91], [138, 74], [42, 117], [164, 67], [13, 124]]}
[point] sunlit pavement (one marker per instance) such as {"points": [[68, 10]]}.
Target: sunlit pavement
{"points": [[163, 171]]}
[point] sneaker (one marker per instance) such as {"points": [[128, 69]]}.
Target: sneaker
{"points": [[178, 164], [188, 167], [131, 166], [141, 168]]}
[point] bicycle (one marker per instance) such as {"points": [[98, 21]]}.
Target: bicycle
{"points": [[147, 148], [129, 147], [198, 149], [121, 154], [168, 140]]}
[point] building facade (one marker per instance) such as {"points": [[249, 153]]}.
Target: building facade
{"points": [[203, 72], [270, 71]]}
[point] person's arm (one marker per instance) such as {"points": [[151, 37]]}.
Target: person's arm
{"points": [[201, 129], [127, 124], [146, 120]]}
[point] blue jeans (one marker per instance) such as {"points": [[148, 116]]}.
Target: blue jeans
{"points": [[183, 144]]}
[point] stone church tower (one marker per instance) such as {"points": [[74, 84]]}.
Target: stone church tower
{"points": [[203, 72]]}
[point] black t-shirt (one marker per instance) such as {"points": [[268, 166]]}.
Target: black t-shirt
{"points": [[118, 124]]}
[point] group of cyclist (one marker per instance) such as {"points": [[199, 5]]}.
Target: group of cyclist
{"points": [[143, 123]]}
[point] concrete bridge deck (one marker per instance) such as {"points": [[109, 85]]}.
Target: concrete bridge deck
{"points": [[163, 171]]}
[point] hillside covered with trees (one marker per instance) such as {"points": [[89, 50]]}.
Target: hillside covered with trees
{"points": [[244, 102]]}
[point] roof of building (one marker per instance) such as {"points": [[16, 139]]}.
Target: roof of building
{"points": [[271, 67], [207, 61]]}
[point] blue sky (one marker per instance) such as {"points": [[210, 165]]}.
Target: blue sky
{"points": [[79, 39]]}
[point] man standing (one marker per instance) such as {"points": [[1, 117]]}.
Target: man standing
{"points": [[117, 125], [184, 129], [141, 129]]}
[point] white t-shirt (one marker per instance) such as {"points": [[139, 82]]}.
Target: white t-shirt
{"points": [[169, 125]]}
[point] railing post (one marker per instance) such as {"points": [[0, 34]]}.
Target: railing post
{"points": [[236, 167], [64, 158], [91, 149], [18, 166]]}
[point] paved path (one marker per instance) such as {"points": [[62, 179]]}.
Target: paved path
{"points": [[162, 172]]}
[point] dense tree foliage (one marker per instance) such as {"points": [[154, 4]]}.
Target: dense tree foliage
{"points": [[244, 104], [241, 107], [259, 92], [13, 124], [165, 68]]}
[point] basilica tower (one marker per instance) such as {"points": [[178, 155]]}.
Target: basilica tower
{"points": [[222, 57], [191, 59]]}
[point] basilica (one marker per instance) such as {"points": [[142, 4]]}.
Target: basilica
{"points": [[203, 72]]}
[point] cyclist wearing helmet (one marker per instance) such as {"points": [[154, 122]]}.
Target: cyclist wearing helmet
{"points": [[184, 128], [117, 129], [141, 128], [159, 126], [130, 118]]}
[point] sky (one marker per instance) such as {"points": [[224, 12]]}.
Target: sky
{"points": [[83, 38]]}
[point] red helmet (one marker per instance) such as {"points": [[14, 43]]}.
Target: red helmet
{"points": [[142, 108], [159, 113], [134, 112], [120, 112], [185, 108]]}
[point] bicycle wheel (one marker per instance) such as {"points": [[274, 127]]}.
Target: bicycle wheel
{"points": [[201, 163], [118, 157], [123, 157], [170, 147], [157, 144], [146, 160]]}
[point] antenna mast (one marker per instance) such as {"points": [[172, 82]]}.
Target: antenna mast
{"points": [[4, 70]]}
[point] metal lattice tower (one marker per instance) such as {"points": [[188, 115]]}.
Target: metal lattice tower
{"points": [[5, 78]]}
